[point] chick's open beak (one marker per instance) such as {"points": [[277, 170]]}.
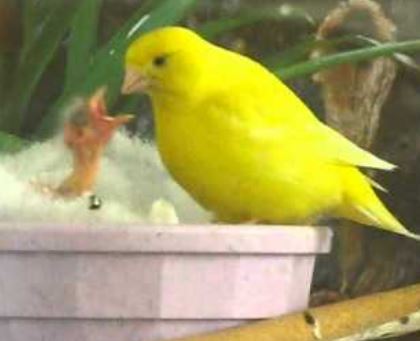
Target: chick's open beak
{"points": [[134, 82], [120, 120]]}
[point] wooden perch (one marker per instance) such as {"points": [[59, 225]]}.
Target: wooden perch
{"points": [[402, 326], [385, 314]]}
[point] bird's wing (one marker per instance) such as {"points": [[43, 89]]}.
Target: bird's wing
{"points": [[330, 145], [322, 143], [300, 133], [341, 149]]}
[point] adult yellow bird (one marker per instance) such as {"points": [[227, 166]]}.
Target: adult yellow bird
{"points": [[242, 143]]}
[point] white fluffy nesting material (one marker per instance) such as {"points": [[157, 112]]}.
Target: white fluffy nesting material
{"points": [[133, 186]]}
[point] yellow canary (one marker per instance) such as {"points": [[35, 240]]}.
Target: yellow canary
{"points": [[242, 143]]}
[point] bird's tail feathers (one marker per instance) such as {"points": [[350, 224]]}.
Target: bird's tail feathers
{"points": [[383, 219], [364, 206]]}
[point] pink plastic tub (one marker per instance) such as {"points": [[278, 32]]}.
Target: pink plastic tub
{"points": [[138, 283]]}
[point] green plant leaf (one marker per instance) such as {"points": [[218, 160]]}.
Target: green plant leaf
{"points": [[301, 50], [34, 14], [7, 67], [37, 53], [11, 143], [216, 27], [401, 58], [315, 65], [82, 41], [2, 77], [107, 64]]}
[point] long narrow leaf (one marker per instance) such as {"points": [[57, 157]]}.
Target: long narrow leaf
{"points": [[2, 78], [82, 41], [107, 64], [34, 14], [315, 65], [10, 143], [300, 51], [35, 60], [216, 27]]}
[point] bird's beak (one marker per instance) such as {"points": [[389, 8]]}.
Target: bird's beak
{"points": [[120, 120], [134, 82]]}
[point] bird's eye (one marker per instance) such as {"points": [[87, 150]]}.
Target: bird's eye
{"points": [[159, 61]]}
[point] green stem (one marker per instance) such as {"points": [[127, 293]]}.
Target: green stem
{"points": [[315, 65]]}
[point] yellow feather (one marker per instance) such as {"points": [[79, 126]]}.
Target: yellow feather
{"points": [[242, 143]]}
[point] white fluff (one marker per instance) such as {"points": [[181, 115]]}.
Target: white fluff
{"points": [[133, 186]]}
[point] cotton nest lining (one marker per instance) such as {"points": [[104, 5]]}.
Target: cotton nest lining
{"points": [[133, 187]]}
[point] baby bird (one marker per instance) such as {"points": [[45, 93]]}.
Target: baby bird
{"points": [[242, 143], [86, 134]]}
